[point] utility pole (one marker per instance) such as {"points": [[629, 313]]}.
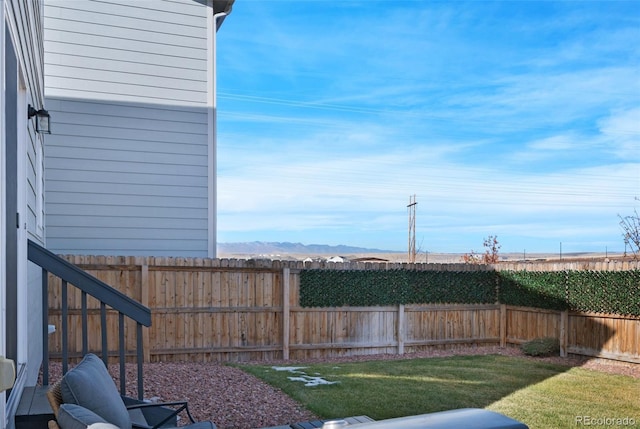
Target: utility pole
{"points": [[561, 250], [412, 228]]}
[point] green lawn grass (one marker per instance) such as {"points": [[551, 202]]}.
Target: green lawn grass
{"points": [[539, 394]]}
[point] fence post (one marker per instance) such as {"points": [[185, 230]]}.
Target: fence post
{"points": [[503, 325], [285, 313], [144, 296], [564, 328], [400, 332]]}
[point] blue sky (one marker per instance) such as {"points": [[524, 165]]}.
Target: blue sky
{"points": [[510, 118]]}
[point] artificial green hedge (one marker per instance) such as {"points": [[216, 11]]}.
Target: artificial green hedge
{"points": [[615, 292], [334, 288], [540, 289], [441, 287]]}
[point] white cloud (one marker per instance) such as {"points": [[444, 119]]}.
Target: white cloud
{"points": [[621, 131]]}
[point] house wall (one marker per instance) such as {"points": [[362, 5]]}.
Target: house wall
{"points": [[128, 164], [21, 73], [3, 203]]}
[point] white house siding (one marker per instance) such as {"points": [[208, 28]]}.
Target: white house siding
{"points": [[127, 162], [21, 25]]}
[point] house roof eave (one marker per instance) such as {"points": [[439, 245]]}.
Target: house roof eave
{"points": [[222, 6], [218, 6]]}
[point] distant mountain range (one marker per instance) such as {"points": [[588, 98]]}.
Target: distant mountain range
{"points": [[270, 248]]}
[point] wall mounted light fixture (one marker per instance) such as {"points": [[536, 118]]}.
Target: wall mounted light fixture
{"points": [[43, 120]]}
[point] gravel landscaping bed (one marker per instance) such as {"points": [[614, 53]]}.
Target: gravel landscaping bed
{"points": [[233, 399]]}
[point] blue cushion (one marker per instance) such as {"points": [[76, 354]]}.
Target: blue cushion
{"points": [[72, 416], [90, 385]]}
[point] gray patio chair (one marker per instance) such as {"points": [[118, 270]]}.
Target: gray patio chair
{"points": [[87, 394]]}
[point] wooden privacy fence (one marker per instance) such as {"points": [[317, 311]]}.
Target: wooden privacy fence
{"points": [[238, 310]]}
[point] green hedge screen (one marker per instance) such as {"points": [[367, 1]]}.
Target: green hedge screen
{"points": [[615, 292]]}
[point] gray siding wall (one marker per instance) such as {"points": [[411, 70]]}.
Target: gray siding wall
{"points": [[27, 20], [23, 18], [127, 163], [35, 187]]}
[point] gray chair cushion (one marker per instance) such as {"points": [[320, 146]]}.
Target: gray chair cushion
{"points": [[72, 416], [90, 385]]}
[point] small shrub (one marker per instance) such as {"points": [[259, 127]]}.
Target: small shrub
{"points": [[542, 347]]}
